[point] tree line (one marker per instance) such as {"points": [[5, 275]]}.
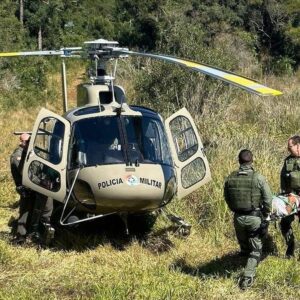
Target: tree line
{"points": [[232, 34]]}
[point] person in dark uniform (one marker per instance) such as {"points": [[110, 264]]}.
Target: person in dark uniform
{"points": [[26, 195], [290, 183], [35, 209], [248, 195]]}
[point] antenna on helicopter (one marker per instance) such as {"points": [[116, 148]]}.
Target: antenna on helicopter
{"points": [[112, 88]]}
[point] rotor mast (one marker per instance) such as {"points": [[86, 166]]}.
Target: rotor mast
{"points": [[100, 52]]}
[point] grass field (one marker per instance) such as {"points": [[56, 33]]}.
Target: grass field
{"points": [[92, 264]]}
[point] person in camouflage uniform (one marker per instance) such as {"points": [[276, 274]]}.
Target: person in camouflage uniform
{"points": [[35, 209], [16, 163], [248, 195], [290, 183]]}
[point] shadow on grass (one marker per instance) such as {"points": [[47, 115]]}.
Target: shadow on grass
{"points": [[225, 265], [104, 231], [111, 231], [222, 266]]}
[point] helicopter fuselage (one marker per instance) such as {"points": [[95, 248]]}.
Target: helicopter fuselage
{"points": [[102, 159], [119, 162], [108, 157]]}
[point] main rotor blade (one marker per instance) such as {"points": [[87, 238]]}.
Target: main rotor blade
{"points": [[64, 52], [239, 81], [31, 53]]}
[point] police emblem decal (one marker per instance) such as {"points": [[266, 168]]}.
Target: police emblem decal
{"points": [[132, 180]]}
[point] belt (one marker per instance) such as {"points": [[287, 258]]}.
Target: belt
{"points": [[256, 213]]}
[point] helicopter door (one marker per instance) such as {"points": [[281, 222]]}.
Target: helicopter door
{"points": [[46, 160], [187, 150]]}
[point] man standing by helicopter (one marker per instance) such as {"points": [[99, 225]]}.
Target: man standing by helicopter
{"points": [[16, 163], [290, 183], [35, 209], [248, 195]]}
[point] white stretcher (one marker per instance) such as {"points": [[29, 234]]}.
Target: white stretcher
{"points": [[285, 205]]}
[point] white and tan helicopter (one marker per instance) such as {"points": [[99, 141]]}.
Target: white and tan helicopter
{"points": [[107, 157]]}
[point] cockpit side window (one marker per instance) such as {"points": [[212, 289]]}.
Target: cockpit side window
{"points": [[48, 142], [47, 145], [184, 138]]}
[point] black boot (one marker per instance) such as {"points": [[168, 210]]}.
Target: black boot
{"points": [[290, 250], [246, 282], [48, 234]]}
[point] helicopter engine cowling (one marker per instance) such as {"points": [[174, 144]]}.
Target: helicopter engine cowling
{"points": [[91, 94]]}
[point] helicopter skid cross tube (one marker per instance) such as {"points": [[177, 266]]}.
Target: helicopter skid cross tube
{"points": [[183, 227], [88, 219]]}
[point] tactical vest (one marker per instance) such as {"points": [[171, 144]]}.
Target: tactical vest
{"points": [[293, 173], [244, 195]]}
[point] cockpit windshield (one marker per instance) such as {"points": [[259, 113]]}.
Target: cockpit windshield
{"points": [[118, 139], [146, 140]]}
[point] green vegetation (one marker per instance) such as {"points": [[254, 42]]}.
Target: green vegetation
{"points": [[256, 38]]}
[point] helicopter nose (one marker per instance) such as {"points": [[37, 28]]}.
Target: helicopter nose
{"points": [[110, 188], [84, 194]]}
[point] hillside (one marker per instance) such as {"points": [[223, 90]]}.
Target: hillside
{"points": [[97, 265], [258, 39]]}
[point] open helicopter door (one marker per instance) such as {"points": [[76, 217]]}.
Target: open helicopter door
{"points": [[187, 150], [46, 160]]}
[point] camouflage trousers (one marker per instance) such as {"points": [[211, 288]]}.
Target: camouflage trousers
{"points": [[34, 210], [248, 235], [25, 210], [287, 232]]}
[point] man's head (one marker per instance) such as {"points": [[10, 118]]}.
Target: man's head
{"points": [[245, 157], [294, 145], [24, 140]]}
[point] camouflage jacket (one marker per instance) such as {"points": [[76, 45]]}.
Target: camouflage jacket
{"points": [[16, 165], [260, 183]]}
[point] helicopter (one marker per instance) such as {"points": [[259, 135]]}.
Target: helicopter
{"points": [[106, 157]]}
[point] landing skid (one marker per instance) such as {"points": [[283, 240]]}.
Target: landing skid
{"points": [[182, 227]]}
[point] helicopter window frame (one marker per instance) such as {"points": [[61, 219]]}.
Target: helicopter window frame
{"points": [[88, 110], [184, 138], [193, 172], [48, 145]]}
